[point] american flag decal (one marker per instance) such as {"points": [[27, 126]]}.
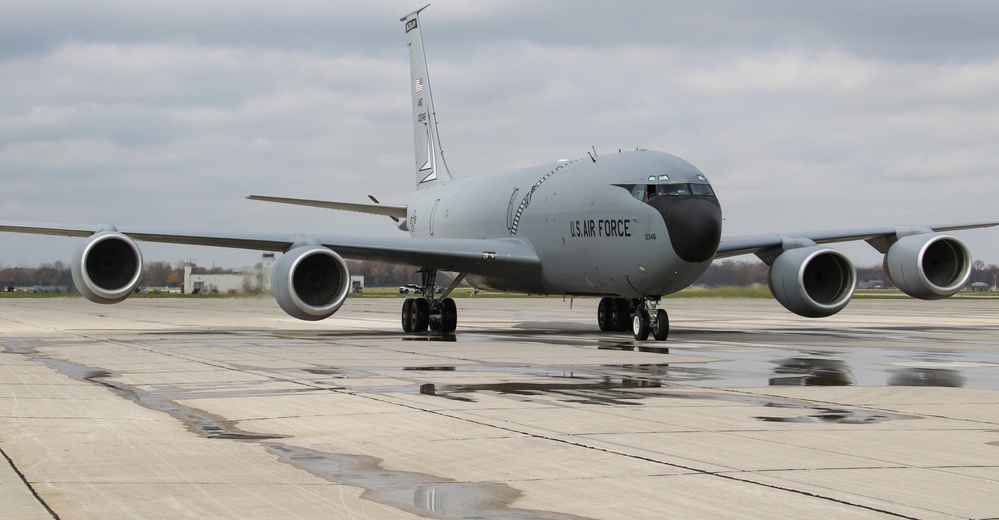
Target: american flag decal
{"points": [[419, 84]]}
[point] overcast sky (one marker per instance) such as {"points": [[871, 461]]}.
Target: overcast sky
{"points": [[804, 115]]}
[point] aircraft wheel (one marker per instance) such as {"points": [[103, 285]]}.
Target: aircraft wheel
{"points": [[621, 317], [449, 316], [407, 315], [420, 314], [661, 330], [605, 314], [640, 324]]}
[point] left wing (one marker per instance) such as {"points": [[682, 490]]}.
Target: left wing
{"points": [[817, 281], [757, 244]]}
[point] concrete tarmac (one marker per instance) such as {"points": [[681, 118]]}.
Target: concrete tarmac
{"points": [[227, 408]]}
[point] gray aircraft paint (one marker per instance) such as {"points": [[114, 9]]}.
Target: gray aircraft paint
{"points": [[430, 165], [603, 240]]}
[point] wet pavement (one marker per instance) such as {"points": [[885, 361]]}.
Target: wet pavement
{"points": [[508, 418]]}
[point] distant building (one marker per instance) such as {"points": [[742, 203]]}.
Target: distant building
{"points": [[872, 284], [247, 280]]}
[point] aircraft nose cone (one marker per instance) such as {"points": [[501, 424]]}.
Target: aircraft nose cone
{"points": [[694, 227]]}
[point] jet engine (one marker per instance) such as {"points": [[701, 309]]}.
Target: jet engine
{"points": [[107, 267], [814, 281], [928, 266], [310, 282]]}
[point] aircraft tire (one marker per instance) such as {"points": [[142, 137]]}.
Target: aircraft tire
{"points": [[640, 324], [605, 314], [661, 330], [621, 317], [421, 314], [407, 315], [449, 316]]}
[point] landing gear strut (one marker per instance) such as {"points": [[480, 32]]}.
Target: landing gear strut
{"points": [[641, 316], [429, 312]]}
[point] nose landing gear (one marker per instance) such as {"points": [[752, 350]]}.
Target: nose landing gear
{"points": [[642, 316]]}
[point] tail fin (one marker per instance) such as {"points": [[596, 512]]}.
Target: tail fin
{"points": [[430, 165]]}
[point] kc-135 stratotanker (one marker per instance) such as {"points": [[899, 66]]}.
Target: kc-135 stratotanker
{"points": [[629, 227]]}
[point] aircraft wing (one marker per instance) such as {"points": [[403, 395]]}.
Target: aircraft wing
{"points": [[751, 244], [488, 257], [375, 209]]}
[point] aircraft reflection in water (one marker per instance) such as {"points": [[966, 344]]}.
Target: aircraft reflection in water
{"points": [[927, 377], [812, 372], [628, 227]]}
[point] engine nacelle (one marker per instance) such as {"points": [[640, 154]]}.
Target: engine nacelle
{"points": [[107, 267], [928, 266], [310, 282], [813, 281]]}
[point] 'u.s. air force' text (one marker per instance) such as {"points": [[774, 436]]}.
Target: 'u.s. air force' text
{"points": [[599, 228]]}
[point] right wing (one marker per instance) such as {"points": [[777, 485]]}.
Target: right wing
{"points": [[506, 257]]}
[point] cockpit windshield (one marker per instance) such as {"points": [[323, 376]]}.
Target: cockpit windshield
{"points": [[647, 192]]}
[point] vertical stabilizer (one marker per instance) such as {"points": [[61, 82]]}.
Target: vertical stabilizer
{"points": [[430, 166]]}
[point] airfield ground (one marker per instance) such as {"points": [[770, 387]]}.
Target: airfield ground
{"points": [[227, 408]]}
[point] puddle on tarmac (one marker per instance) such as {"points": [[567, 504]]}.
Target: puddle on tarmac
{"points": [[586, 393], [760, 366], [414, 492], [837, 416], [202, 423], [450, 338]]}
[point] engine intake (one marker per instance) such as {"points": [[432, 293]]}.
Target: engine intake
{"points": [[310, 282], [814, 282], [928, 266], [107, 267]]}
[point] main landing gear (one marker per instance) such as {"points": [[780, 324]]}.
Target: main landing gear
{"points": [[430, 312], [641, 316]]}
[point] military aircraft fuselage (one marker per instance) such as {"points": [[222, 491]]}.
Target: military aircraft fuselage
{"points": [[627, 224]]}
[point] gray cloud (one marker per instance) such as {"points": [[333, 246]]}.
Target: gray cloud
{"points": [[804, 115]]}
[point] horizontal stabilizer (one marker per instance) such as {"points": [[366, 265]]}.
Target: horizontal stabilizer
{"points": [[374, 209]]}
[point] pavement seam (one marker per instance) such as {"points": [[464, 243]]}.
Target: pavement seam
{"points": [[27, 484], [645, 459]]}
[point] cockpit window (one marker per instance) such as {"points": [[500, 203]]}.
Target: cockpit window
{"points": [[675, 190], [647, 192], [703, 190]]}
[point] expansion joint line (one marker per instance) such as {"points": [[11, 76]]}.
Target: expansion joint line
{"points": [[28, 484], [642, 458]]}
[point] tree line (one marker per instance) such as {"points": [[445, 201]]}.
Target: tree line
{"points": [[740, 273], [737, 273], [165, 274]]}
